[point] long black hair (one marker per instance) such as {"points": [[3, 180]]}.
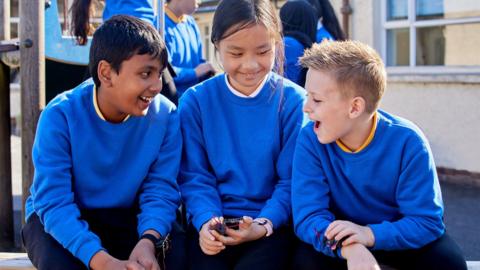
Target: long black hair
{"points": [[80, 24], [326, 13], [299, 21]]}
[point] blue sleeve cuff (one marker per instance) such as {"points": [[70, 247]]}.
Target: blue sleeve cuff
{"points": [[381, 236], [277, 219], [87, 250], [154, 224]]}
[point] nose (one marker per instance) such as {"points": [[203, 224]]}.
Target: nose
{"points": [[306, 107], [157, 85], [251, 63]]}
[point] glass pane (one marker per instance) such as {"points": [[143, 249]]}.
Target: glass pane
{"points": [[451, 45], [398, 48], [397, 10], [448, 9], [14, 10]]}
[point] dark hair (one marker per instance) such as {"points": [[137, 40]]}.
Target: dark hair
{"points": [[232, 16], [121, 37], [299, 21], [80, 24], [325, 11]]}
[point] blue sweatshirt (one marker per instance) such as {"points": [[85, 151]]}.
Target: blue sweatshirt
{"points": [[391, 186], [84, 162], [238, 152], [184, 45], [293, 50], [142, 9], [323, 34]]}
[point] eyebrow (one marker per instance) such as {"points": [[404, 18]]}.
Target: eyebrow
{"points": [[234, 47]]}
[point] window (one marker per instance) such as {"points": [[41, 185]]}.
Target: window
{"points": [[431, 33]]}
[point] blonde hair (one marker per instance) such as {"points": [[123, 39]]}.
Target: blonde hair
{"points": [[356, 67]]}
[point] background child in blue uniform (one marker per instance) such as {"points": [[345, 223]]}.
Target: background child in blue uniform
{"points": [[362, 177], [239, 132], [106, 157], [299, 27], [184, 44], [328, 27]]}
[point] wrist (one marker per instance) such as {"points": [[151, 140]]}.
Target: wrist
{"points": [[267, 225], [371, 237], [100, 260]]}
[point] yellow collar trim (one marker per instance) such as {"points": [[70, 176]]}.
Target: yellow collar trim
{"points": [[97, 109], [174, 17], [367, 141]]}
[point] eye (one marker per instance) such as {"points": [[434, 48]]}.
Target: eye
{"points": [[235, 54], [264, 52], [145, 74]]}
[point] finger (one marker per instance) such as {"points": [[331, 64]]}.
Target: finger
{"points": [[216, 235], [210, 242], [247, 219], [344, 233], [333, 230], [131, 265], [350, 240], [210, 249], [146, 262], [331, 226], [207, 234]]}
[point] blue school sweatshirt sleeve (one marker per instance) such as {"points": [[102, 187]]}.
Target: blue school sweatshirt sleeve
{"points": [[198, 185], [278, 207], [184, 56], [293, 50], [310, 194], [159, 194], [419, 201], [54, 201]]}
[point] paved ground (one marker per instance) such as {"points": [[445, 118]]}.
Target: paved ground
{"points": [[462, 207]]}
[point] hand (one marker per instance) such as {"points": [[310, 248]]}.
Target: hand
{"points": [[247, 231], [359, 258], [104, 261], [203, 69], [144, 254], [208, 242], [351, 232]]}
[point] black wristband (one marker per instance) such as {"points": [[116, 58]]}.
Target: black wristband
{"points": [[152, 238]]}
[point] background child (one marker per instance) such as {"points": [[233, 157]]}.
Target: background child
{"points": [[328, 27], [362, 177], [184, 44], [106, 157], [239, 134], [299, 26]]}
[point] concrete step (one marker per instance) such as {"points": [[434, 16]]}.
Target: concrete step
{"points": [[20, 261]]}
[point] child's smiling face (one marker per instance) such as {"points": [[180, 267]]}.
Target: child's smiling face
{"points": [[131, 90], [326, 107], [247, 56]]}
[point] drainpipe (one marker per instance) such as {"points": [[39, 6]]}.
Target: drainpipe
{"points": [[346, 10]]}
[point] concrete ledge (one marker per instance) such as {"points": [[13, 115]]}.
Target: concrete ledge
{"points": [[15, 261], [20, 261]]}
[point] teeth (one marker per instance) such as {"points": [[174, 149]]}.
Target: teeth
{"points": [[146, 99]]}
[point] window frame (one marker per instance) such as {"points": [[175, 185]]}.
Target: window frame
{"points": [[412, 24]]}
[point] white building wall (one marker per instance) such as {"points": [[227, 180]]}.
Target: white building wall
{"points": [[446, 107]]}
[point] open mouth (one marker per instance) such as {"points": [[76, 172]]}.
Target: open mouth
{"points": [[317, 124], [145, 99]]}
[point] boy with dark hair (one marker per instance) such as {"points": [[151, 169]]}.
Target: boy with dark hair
{"points": [[364, 185], [106, 157]]}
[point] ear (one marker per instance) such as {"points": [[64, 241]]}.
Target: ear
{"points": [[104, 72], [357, 107]]}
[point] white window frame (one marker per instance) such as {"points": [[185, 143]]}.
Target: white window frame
{"points": [[412, 25]]}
